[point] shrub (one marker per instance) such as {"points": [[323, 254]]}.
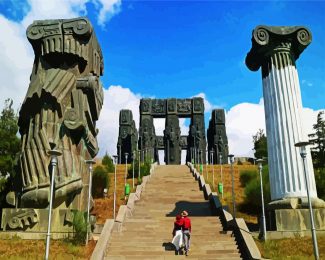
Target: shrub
{"points": [[253, 191], [144, 168], [320, 182], [100, 181], [107, 161], [247, 175], [80, 226]]}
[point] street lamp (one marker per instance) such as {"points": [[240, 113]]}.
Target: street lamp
{"points": [[133, 156], [260, 166], [114, 205], [206, 163], [303, 154], [231, 157], [90, 167], [126, 171], [54, 162], [211, 152]]}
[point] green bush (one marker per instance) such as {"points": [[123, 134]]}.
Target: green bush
{"points": [[320, 182], [100, 181], [107, 161], [253, 191], [80, 226], [247, 175], [144, 168]]}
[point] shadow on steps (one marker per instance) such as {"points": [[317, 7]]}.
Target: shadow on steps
{"points": [[194, 209]]}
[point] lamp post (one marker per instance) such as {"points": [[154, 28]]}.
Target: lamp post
{"points": [[231, 157], [126, 172], [54, 162], [114, 205], [303, 154], [260, 166], [90, 167], [220, 160], [211, 152], [133, 156], [206, 163]]}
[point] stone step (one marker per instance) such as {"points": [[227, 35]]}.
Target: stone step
{"points": [[174, 257]]}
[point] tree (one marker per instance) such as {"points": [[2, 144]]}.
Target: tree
{"points": [[107, 161], [9, 147], [260, 144], [318, 140], [9, 142]]}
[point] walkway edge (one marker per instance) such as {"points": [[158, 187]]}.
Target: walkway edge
{"points": [[243, 236], [101, 245]]}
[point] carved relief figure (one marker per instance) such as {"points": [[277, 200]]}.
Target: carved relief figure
{"points": [[60, 109]]}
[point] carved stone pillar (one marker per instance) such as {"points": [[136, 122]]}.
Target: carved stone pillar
{"points": [[197, 128], [128, 135], [147, 134], [172, 134], [217, 137], [276, 50]]}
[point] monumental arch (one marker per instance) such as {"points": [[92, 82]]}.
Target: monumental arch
{"points": [[172, 142]]}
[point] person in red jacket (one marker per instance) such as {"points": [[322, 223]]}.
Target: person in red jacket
{"points": [[187, 229], [178, 234]]}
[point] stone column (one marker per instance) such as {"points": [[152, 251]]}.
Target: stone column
{"points": [[276, 50]]}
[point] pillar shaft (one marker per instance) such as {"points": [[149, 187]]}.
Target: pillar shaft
{"points": [[283, 111], [276, 50]]}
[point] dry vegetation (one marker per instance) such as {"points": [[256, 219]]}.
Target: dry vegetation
{"points": [[227, 187], [35, 249], [293, 248]]}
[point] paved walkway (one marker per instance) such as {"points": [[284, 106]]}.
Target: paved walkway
{"points": [[147, 234]]}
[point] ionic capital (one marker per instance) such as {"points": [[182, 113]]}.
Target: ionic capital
{"points": [[267, 40]]}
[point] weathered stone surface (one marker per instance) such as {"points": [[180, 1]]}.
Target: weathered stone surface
{"points": [[298, 219], [276, 49], [172, 135], [59, 112], [35, 220], [128, 136], [172, 109], [217, 137]]}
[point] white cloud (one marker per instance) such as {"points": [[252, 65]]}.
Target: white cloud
{"points": [[115, 99], [245, 119], [108, 9], [16, 54]]}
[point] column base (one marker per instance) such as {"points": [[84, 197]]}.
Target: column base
{"points": [[295, 219], [295, 203]]}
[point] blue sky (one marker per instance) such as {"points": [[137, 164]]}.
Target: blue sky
{"points": [[182, 48]]}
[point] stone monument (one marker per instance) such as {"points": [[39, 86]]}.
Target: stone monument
{"points": [[172, 142], [217, 137], [59, 112], [128, 136], [275, 49]]}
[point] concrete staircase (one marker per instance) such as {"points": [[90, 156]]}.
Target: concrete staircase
{"points": [[148, 233]]}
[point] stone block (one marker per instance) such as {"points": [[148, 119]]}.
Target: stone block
{"points": [[99, 251], [138, 192], [207, 191], [35, 220], [298, 219], [246, 240], [201, 182]]}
